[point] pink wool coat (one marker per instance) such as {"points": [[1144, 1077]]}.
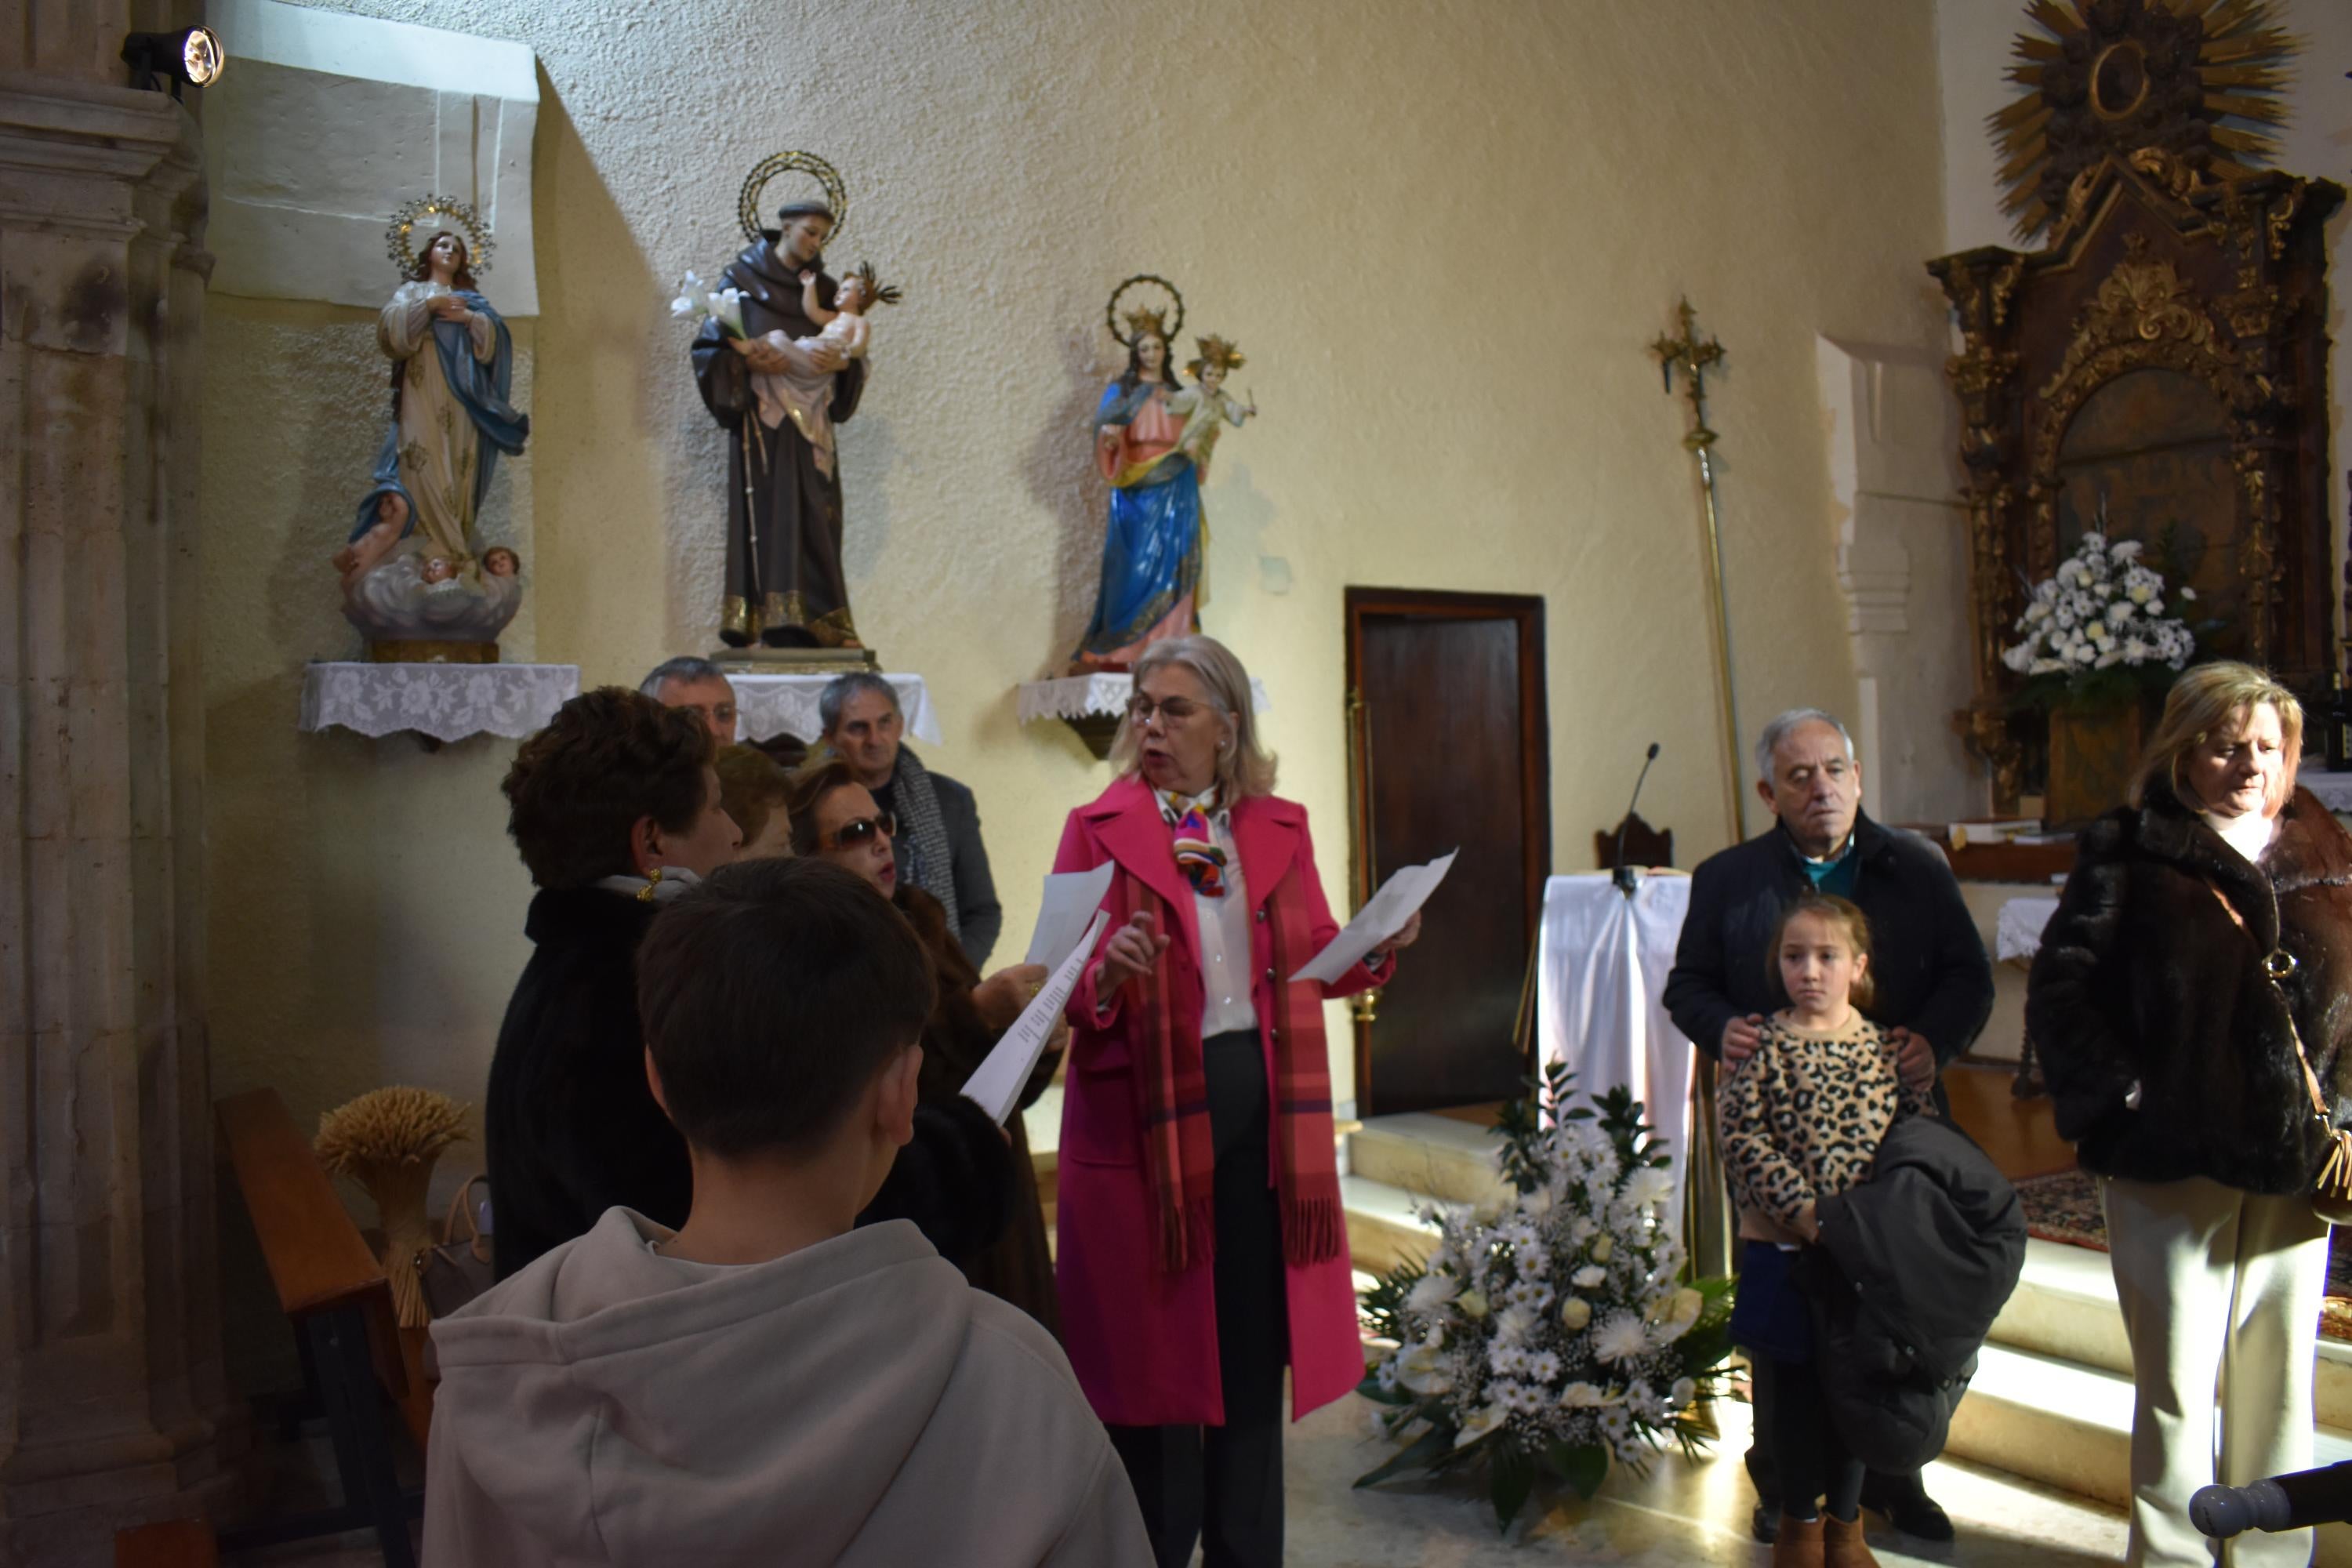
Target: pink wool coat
{"points": [[1144, 1342]]}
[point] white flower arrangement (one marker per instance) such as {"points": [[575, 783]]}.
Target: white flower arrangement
{"points": [[2102, 609], [1553, 1330], [696, 304]]}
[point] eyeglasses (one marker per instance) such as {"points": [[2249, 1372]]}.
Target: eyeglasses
{"points": [[850, 834], [1174, 710]]}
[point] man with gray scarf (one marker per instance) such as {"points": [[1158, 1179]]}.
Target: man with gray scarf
{"points": [[938, 841]]}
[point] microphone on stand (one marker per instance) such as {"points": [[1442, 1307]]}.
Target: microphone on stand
{"points": [[1624, 876], [2295, 1501]]}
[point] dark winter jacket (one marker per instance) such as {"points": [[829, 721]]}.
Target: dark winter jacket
{"points": [[1927, 963], [572, 1128], [1913, 1267], [2142, 977]]}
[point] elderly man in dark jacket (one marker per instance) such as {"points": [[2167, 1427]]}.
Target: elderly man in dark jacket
{"points": [[1927, 963]]}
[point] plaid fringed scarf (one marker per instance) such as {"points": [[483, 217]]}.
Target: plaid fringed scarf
{"points": [[1180, 1157]]}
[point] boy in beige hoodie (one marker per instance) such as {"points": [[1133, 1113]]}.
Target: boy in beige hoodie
{"points": [[769, 1384]]}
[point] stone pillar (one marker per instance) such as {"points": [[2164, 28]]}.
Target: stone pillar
{"points": [[111, 1390]]}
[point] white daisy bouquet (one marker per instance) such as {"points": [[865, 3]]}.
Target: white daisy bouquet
{"points": [[2096, 630], [695, 303], [1553, 1330]]}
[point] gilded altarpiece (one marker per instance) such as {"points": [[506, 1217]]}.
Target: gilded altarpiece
{"points": [[2161, 364]]}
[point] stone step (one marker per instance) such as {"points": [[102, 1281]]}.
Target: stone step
{"points": [[2067, 1424], [1436, 1156], [2065, 1308], [1384, 1225]]}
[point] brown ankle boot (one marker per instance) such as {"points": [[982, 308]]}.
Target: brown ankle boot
{"points": [[1842, 1545], [1799, 1544]]}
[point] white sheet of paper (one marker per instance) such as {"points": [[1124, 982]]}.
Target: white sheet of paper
{"points": [[996, 1087], [1071, 898], [1379, 920]]}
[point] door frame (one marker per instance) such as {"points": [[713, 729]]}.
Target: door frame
{"points": [[1535, 727]]}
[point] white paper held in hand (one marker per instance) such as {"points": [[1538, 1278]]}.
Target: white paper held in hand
{"points": [[996, 1087], [1071, 898], [1379, 920]]}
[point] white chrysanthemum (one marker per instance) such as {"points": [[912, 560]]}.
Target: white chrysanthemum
{"points": [[1431, 1292], [1644, 1402], [1506, 1358], [1515, 1325], [1621, 1338], [1535, 1203], [1533, 1262], [1543, 1366]]}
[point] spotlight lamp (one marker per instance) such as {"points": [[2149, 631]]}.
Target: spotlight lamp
{"points": [[194, 57]]}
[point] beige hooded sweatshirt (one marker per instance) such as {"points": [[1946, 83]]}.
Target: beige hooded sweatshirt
{"points": [[855, 1402]]}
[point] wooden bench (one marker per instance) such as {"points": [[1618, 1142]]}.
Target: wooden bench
{"points": [[335, 1294]]}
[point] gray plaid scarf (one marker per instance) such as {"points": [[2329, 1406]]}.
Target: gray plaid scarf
{"points": [[925, 857]]}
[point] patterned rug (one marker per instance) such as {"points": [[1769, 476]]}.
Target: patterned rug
{"points": [[2065, 1207]]}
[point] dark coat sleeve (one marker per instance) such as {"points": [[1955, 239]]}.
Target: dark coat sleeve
{"points": [[955, 1181], [2085, 1061], [977, 908], [1955, 1009], [1694, 997]]}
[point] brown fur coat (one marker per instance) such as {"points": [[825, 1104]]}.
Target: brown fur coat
{"points": [[2144, 977]]}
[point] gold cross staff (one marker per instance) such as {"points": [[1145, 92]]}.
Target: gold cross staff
{"points": [[1693, 356]]}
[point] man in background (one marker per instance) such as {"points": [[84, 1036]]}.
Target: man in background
{"points": [[938, 838], [687, 682]]}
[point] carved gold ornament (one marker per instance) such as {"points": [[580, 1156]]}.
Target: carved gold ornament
{"points": [[755, 183], [2143, 302], [429, 216], [2196, 81]]}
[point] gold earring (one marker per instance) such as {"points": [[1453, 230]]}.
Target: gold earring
{"points": [[645, 893]]}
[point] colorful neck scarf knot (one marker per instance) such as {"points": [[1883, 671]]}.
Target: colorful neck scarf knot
{"points": [[1197, 855]]}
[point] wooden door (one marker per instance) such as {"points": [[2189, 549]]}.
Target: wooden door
{"points": [[1449, 750]]}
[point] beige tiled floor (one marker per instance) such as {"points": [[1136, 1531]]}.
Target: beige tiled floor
{"points": [[1680, 1516]]}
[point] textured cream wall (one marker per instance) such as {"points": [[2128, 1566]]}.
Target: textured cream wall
{"points": [[1443, 234]]}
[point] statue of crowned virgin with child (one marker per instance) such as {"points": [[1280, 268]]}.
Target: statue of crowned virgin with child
{"points": [[1154, 436]]}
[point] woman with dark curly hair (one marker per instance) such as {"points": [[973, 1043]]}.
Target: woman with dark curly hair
{"points": [[615, 805]]}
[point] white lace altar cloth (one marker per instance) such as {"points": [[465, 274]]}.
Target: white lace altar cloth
{"points": [[1600, 979], [767, 706], [1097, 696], [445, 701]]}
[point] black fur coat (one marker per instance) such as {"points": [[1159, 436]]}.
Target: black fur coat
{"points": [[2143, 976]]}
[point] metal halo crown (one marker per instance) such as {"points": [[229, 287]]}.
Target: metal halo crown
{"points": [[398, 235], [1143, 318], [836, 194]]}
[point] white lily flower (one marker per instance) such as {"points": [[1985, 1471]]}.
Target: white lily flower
{"points": [[1672, 1316], [1421, 1369], [1481, 1422]]}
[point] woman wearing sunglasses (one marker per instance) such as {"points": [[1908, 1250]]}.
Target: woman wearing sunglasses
{"points": [[835, 818], [1202, 1243]]}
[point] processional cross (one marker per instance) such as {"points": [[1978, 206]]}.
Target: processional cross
{"points": [[1694, 356]]}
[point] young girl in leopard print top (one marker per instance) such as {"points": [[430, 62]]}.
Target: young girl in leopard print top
{"points": [[1800, 1120]]}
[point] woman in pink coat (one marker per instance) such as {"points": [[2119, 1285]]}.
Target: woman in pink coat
{"points": [[1201, 1242]]}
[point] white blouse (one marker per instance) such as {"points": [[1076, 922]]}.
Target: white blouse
{"points": [[1224, 927]]}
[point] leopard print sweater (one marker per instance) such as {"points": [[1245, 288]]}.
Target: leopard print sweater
{"points": [[1802, 1119]]}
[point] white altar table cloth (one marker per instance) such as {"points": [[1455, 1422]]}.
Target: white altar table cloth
{"points": [[2334, 790], [445, 701], [1599, 979], [2016, 929], [767, 706]]}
